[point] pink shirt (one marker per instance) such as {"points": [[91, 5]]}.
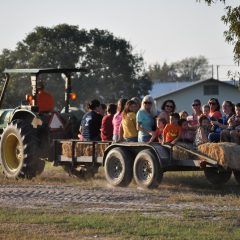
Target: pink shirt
{"points": [[117, 119]]}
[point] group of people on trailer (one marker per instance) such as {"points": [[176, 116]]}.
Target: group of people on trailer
{"points": [[139, 121]]}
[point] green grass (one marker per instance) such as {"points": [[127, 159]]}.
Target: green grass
{"points": [[45, 224]]}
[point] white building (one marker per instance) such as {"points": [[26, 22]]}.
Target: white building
{"points": [[203, 90]]}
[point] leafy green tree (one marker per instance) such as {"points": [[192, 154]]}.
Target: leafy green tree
{"points": [[188, 69], [232, 35], [114, 71], [232, 19], [154, 72], [192, 69], [164, 73]]}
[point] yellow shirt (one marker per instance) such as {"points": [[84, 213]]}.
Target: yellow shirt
{"points": [[129, 125]]}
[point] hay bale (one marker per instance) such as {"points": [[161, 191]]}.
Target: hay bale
{"points": [[67, 149], [180, 154], [101, 148], [79, 149], [225, 153], [88, 150], [82, 149]]}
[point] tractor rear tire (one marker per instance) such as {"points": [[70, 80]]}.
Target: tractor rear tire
{"points": [[20, 151], [217, 176], [118, 167], [146, 170]]}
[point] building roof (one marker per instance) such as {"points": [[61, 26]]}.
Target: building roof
{"points": [[194, 84]]}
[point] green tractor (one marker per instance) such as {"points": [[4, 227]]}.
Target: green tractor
{"points": [[27, 134]]}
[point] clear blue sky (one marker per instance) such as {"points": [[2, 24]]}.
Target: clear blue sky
{"points": [[161, 30]]}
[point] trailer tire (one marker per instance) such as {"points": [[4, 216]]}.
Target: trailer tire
{"points": [[146, 170], [217, 176], [236, 176], [118, 167], [19, 151]]}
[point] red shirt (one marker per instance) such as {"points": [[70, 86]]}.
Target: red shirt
{"points": [[107, 128], [45, 101]]}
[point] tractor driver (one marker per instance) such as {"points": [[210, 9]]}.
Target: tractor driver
{"points": [[45, 100]]}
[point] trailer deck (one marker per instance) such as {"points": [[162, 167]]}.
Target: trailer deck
{"points": [[145, 162]]}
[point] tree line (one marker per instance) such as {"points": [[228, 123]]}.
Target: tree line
{"points": [[113, 70], [188, 69]]}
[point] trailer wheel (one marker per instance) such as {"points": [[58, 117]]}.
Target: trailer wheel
{"points": [[237, 176], [146, 170], [217, 176], [118, 167], [19, 151]]}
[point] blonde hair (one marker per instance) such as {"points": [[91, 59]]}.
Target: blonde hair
{"points": [[149, 98]]}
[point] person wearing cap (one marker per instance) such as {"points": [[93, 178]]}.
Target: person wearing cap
{"points": [[91, 122], [45, 100]]}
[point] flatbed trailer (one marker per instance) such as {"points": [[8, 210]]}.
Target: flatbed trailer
{"points": [[145, 162]]}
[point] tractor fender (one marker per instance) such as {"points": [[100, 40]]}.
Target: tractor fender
{"points": [[24, 114], [161, 153]]}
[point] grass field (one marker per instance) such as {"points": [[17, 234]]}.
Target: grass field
{"points": [[219, 222], [44, 224]]}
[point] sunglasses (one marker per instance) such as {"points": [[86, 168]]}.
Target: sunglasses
{"points": [[212, 103], [169, 106], [195, 105], [147, 102]]}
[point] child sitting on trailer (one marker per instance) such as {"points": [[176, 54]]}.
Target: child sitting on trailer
{"points": [[187, 133], [160, 123], [202, 131], [172, 131]]}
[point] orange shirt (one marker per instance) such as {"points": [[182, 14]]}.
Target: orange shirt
{"points": [[171, 132], [45, 101]]}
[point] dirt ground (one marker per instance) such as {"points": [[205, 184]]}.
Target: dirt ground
{"points": [[178, 191]]}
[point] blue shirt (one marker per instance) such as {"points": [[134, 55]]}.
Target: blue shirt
{"points": [[146, 121]]}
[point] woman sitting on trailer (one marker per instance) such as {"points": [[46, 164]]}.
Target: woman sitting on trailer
{"points": [[220, 125], [128, 129], [168, 107], [107, 126], [145, 119]]}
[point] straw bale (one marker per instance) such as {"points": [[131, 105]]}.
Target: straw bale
{"points": [[101, 148], [82, 149], [180, 154], [88, 150], [225, 153], [67, 149], [79, 149]]}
